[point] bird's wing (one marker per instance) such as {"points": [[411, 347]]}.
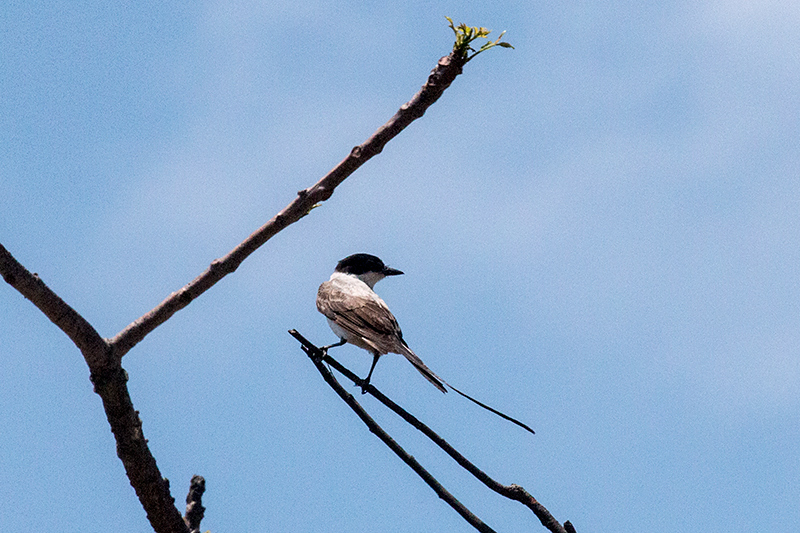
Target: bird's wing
{"points": [[367, 317]]}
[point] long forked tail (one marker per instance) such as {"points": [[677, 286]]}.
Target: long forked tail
{"points": [[439, 383], [495, 411]]}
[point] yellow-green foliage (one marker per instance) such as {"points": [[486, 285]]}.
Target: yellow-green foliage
{"points": [[466, 34]]}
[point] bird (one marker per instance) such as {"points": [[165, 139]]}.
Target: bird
{"points": [[357, 315]]}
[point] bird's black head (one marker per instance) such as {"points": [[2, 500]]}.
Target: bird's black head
{"points": [[358, 264]]}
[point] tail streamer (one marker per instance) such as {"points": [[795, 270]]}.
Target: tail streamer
{"points": [[495, 411]]}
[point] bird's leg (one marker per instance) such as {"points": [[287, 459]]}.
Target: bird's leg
{"points": [[365, 382], [324, 349]]}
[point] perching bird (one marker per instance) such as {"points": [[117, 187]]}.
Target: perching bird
{"points": [[357, 315]]}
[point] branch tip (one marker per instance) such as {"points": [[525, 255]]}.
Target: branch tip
{"points": [[465, 35], [194, 504]]}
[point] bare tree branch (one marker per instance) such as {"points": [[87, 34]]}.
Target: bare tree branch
{"points": [[439, 79], [513, 492], [194, 504], [110, 383], [317, 357], [103, 356], [140, 465], [89, 342]]}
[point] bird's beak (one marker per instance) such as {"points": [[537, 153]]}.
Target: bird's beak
{"points": [[387, 271]]}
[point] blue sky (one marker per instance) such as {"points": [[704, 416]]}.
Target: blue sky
{"points": [[600, 232]]}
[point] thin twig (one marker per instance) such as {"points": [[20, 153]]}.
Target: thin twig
{"points": [[194, 504], [513, 492], [317, 358], [439, 79]]}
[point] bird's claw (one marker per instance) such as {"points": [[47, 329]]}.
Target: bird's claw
{"points": [[363, 384]]}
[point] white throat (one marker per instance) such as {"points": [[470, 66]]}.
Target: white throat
{"points": [[370, 278]]}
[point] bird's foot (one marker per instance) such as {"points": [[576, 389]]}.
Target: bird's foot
{"points": [[324, 349], [363, 383]]}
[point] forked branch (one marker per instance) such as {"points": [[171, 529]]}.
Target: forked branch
{"points": [[110, 383], [317, 357], [103, 356], [513, 492], [439, 79]]}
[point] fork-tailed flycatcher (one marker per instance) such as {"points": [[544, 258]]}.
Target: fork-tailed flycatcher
{"points": [[359, 316]]}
